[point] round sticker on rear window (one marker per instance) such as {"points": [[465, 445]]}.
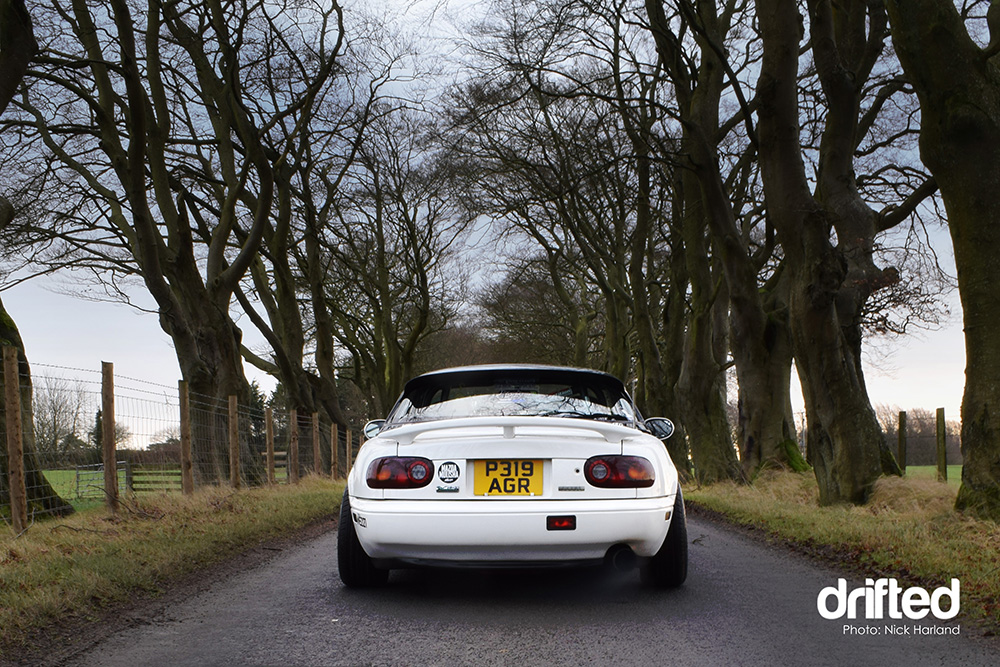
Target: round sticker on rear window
{"points": [[448, 472]]}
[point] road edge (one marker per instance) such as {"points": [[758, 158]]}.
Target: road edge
{"points": [[838, 558], [76, 634]]}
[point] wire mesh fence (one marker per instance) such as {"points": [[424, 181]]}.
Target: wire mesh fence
{"points": [[168, 440], [917, 438], [158, 446]]}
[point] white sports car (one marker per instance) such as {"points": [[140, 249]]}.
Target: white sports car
{"points": [[499, 466]]}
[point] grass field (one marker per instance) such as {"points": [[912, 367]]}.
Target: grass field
{"points": [[64, 483], [930, 472]]}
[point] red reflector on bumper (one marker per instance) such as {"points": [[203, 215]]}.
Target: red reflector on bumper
{"points": [[560, 522]]}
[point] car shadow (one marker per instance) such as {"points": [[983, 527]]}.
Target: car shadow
{"points": [[512, 585]]}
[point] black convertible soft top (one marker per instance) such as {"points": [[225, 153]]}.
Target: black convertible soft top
{"points": [[448, 384]]}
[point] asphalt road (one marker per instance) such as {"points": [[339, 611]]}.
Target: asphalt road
{"points": [[745, 603]]}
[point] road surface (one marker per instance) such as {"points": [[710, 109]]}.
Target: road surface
{"points": [[745, 603]]}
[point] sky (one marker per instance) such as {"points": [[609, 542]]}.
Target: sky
{"points": [[63, 333]]}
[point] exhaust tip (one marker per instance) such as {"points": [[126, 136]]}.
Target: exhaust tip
{"points": [[621, 558]]}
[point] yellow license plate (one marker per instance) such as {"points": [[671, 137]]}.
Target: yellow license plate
{"points": [[507, 477]]}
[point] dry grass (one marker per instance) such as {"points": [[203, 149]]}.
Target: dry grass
{"points": [[81, 565], [909, 530]]}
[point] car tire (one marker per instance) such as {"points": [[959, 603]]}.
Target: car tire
{"points": [[355, 566], [668, 568]]}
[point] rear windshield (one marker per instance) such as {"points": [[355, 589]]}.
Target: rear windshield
{"points": [[505, 393]]}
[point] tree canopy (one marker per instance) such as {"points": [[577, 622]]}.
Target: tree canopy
{"points": [[695, 196]]}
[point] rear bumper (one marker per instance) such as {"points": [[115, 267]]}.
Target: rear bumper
{"points": [[507, 532]]}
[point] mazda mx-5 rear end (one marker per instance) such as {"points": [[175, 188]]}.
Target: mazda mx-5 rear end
{"points": [[503, 466]]}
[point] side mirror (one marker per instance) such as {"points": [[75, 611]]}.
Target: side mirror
{"points": [[661, 427], [372, 428]]}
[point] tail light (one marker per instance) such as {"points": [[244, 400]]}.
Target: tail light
{"points": [[400, 472], [619, 472]]}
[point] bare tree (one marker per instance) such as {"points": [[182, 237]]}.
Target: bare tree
{"points": [[701, 73], [283, 296], [390, 244], [156, 139], [559, 124], [541, 313], [18, 47], [547, 167], [331, 147], [60, 412], [831, 278], [958, 83]]}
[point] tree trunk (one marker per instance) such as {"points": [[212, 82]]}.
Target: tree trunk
{"points": [[958, 85], [207, 343], [17, 47], [649, 367], [702, 381], [673, 329], [763, 358], [617, 355], [42, 498], [703, 397], [844, 440], [847, 43], [285, 331], [758, 339], [843, 435]]}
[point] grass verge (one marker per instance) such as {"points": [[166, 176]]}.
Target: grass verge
{"points": [[909, 531], [82, 565]]}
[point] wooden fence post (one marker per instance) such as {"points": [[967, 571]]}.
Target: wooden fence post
{"points": [[347, 448], [334, 451], [269, 439], [15, 443], [901, 442], [187, 465], [942, 452], [234, 442], [317, 460], [108, 435], [293, 447]]}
